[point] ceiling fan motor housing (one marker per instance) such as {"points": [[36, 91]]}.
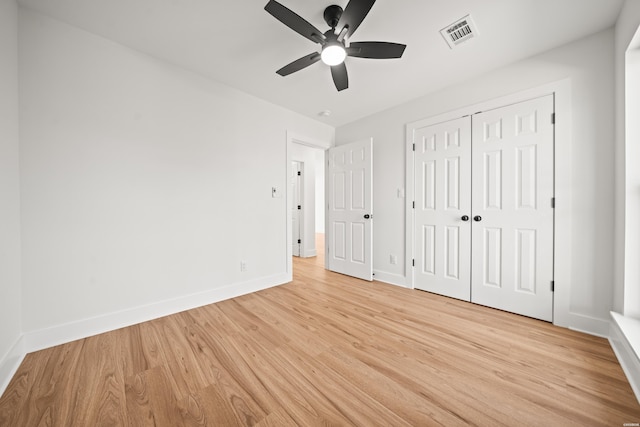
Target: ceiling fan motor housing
{"points": [[332, 15]]}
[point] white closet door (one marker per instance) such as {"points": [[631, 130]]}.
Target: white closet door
{"points": [[350, 209], [443, 207], [512, 236]]}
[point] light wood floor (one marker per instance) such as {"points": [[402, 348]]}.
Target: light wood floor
{"points": [[326, 350]]}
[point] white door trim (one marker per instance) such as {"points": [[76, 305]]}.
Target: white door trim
{"points": [[563, 213], [295, 138]]}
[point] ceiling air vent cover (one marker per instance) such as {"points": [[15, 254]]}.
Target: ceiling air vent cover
{"points": [[459, 32]]}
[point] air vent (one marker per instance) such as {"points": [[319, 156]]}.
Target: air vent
{"points": [[459, 32]]}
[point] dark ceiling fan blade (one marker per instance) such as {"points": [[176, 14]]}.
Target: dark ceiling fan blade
{"points": [[299, 64], [294, 21], [340, 77], [376, 50], [354, 14]]}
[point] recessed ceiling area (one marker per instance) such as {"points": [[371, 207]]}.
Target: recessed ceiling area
{"points": [[239, 44]]}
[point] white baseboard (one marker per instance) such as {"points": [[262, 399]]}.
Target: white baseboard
{"points": [[390, 278], [10, 362], [309, 253], [625, 341], [588, 325], [60, 334]]}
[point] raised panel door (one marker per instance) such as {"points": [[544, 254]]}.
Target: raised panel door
{"points": [[512, 232], [443, 197], [350, 209]]}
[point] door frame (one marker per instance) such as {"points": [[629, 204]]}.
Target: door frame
{"points": [[301, 211], [561, 90], [295, 138]]}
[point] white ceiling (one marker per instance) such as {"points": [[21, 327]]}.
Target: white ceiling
{"points": [[237, 43]]}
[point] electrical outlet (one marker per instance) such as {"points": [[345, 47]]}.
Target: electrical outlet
{"points": [[393, 259], [243, 265]]}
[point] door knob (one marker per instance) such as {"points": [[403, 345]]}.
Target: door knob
{"points": [[367, 216], [465, 218], [477, 218]]}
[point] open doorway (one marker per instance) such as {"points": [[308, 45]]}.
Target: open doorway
{"points": [[306, 199]]}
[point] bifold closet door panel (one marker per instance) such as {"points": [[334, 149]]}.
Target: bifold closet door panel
{"points": [[443, 208], [512, 191]]}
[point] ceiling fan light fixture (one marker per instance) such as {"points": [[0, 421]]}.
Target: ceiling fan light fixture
{"points": [[333, 54], [334, 45]]}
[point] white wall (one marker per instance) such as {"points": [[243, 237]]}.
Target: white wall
{"points": [[588, 63], [144, 186], [10, 289], [627, 248]]}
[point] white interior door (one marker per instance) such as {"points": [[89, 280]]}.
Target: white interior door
{"points": [[512, 237], [350, 234], [296, 207], [443, 208]]}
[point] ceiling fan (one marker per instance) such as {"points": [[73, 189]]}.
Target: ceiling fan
{"points": [[335, 41]]}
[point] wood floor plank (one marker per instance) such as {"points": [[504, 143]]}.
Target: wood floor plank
{"points": [[52, 395], [268, 337], [227, 372], [209, 407], [285, 321], [361, 408], [404, 392], [326, 349], [185, 373], [278, 418], [132, 350], [149, 400], [99, 388], [21, 390]]}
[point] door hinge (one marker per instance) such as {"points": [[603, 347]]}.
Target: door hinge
{"points": [[299, 173], [553, 118], [299, 241], [413, 262], [414, 147], [553, 202], [414, 204], [299, 207], [553, 286]]}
